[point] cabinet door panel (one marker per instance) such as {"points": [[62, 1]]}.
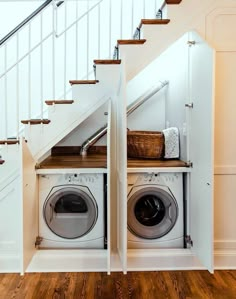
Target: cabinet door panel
{"points": [[109, 185], [29, 205], [201, 149], [121, 158]]}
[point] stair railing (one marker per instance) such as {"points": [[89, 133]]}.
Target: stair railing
{"points": [[56, 48], [130, 109]]}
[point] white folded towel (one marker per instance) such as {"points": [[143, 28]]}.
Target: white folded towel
{"points": [[171, 143]]}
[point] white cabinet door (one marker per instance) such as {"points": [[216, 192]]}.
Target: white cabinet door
{"points": [[29, 206], [109, 185], [121, 177], [201, 149]]}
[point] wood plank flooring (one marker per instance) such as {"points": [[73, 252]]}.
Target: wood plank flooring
{"points": [[135, 285]]}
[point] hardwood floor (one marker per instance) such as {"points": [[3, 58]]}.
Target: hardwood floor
{"points": [[136, 285]]}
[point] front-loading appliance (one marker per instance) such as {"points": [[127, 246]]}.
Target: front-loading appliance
{"points": [[155, 210], [72, 210]]}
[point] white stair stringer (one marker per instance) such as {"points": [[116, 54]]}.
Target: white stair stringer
{"points": [[11, 154], [65, 118], [41, 138], [183, 18]]}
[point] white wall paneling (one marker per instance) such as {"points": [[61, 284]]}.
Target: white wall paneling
{"points": [[10, 226]]}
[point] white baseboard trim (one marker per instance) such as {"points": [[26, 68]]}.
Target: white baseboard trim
{"points": [[9, 264], [225, 244], [224, 259]]}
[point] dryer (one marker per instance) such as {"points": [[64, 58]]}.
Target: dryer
{"points": [[71, 210], [155, 210]]}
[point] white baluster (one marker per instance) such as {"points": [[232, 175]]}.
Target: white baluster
{"points": [[99, 30], [29, 73], [76, 43], [132, 18], [121, 19], [87, 39], [41, 65], [65, 50], [54, 18], [6, 94], [17, 87], [110, 20]]}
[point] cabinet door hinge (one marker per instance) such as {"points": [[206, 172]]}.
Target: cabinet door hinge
{"points": [[38, 241], [188, 240], [189, 164], [191, 43], [189, 105], [37, 165]]}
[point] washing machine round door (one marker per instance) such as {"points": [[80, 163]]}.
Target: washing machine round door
{"points": [[70, 212], [152, 212]]}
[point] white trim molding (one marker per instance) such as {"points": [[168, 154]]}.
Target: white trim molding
{"points": [[225, 169]]}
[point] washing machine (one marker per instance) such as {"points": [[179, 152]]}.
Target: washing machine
{"points": [[155, 210], [72, 210]]}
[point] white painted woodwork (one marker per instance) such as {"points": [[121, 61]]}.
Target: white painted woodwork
{"points": [[29, 211], [167, 107], [121, 158], [224, 212], [109, 185], [10, 223], [201, 59], [86, 129], [10, 153], [158, 169], [70, 170], [69, 261], [208, 24], [162, 259], [49, 135], [109, 78], [159, 37]]}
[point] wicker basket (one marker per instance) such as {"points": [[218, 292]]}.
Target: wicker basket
{"points": [[145, 144]]}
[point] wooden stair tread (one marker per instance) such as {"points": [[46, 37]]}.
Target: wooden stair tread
{"points": [[83, 82], [173, 1], [107, 61], [131, 41], [2, 161], [35, 121], [154, 22], [52, 102], [10, 141]]}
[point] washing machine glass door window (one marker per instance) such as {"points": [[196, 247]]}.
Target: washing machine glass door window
{"points": [[70, 213], [149, 210], [152, 212]]}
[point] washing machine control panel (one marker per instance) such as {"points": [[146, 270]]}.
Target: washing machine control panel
{"points": [[82, 179], [152, 178]]}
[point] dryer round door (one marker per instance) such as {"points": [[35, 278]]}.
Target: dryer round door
{"points": [[152, 212], [70, 212]]}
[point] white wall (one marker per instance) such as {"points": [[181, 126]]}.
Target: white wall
{"points": [[86, 129], [218, 28], [12, 13]]}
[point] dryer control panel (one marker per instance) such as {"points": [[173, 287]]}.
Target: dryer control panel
{"points": [[153, 178], [82, 179]]}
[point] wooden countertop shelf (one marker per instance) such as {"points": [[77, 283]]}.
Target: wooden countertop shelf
{"points": [[98, 162], [148, 165], [74, 161]]}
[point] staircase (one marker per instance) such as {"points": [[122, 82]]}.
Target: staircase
{"points": [[58, 117]]}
